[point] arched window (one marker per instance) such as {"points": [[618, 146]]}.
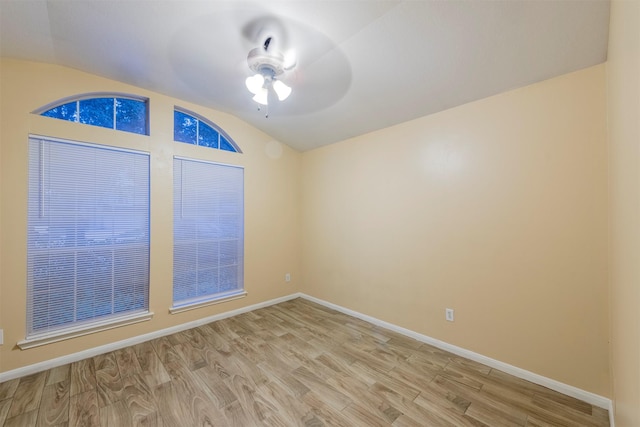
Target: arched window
{"points": [[191, 128], [122, 112]]}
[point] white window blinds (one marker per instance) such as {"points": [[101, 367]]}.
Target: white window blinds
{"points": [[208, 231], [88, 235]]}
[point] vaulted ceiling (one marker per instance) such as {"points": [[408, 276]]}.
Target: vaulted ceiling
{"points": [[361, 65]]}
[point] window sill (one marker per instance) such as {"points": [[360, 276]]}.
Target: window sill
{"points": [[193, 306], [44, 339]]}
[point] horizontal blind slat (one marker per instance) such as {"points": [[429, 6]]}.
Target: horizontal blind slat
{"points": [[88, 235], [208, 230]]}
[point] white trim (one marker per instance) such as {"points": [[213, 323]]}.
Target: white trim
{"points": [[208, 162], [591, 398], [70, 358], [48, 338], [612, 418], [200, 304], [67, 141], [585, 396]]}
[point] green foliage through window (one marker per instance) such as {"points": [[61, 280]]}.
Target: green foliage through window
{"points": [[120, 113], [193, 130]]}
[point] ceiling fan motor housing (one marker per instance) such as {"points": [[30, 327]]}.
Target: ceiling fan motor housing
{"points": [[261, 61]]}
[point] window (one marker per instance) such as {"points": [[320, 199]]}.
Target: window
{"points": [[208, 232], [88, 237], [127, 114], [190, 129]]}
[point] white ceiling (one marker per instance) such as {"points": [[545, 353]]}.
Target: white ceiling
{"points": [[362, 65]]}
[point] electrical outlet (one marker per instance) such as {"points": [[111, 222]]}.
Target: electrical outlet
{"points": [[448, 314], [287, 277], [1, 336]]}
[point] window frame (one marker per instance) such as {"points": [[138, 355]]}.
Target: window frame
{"points": [[98, 323], [209, 299]]}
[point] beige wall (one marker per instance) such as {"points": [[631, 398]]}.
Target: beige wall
{"points": [[271, 201], [497, 209], [623, 78]]}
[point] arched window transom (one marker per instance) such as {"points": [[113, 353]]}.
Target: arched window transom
{"points": [[191, 128], [114, 111]]}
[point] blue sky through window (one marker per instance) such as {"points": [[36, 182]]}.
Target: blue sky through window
{"points": [[193, 130], [124, 114]]}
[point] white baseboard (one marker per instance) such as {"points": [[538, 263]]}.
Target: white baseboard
{"points": [[566, 389], [70, 358], [585, 396], [612, 418]]}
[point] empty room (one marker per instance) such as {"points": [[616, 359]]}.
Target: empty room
{"points": [[320, 213]]}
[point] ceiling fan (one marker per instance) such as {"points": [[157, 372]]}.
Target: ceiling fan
{"points": [[269, 65], [280, 55]]}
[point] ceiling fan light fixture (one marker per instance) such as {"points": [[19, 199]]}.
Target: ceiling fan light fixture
{"points": [[282, 90], [262, 96], [268, 66], [255, 83]]}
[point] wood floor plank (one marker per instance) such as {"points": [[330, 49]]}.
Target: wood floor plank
{"points": [[336, 363], [109, 386], [550, 398], [569, 412], [235, 415], [54, 406], [127, 362], [359, 392], [459, 374], [359, 415], [216, 340], [290, 408], [138, 397], [254, 403], [83, 376], [405, 421], [28, 394], [330, 395], [296, 363], [302, 359], [58, 374], [162, 346], [22, 420], [401, 387], [323, 412], [115, 415], [408, 374], [444, 386], [489, 415], [220, 364], [194, 397], [219, 390], [446, 398], [152, 369], [193, 357], [83, 409], [242, 346], [106, 361], [405, 406], [4, 409], [252, 372], [8, 388], [171, 406], [286, 380]]}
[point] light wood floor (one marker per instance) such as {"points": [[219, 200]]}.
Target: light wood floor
{"points": [[292, 364]]}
